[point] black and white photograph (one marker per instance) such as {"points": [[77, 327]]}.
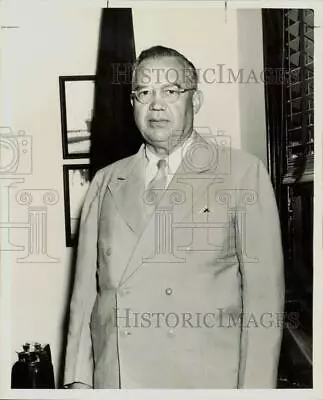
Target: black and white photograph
{"points": [[76, 183], [183, 249], [76, 95]]}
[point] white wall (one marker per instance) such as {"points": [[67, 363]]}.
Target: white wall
{"points": [[52, 43], [46, 45], [251, 91]]}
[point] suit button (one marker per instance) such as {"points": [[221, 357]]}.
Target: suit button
{"points": [[171, 333], [123, 291], [108, 251], [168, 291]]}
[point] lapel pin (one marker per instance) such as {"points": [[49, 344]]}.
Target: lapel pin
{"points": [[205, 210]]}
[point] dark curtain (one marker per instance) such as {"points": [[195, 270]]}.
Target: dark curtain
{"points": [[274, 54], [113, 131], [274, 91]]}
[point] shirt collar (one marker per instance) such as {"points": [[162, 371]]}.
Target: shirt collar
{"points": [[174, 158]]}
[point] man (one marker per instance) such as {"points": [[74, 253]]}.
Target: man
{"points": [[179, 278]]}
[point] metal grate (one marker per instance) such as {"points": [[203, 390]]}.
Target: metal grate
{"points": [[299, 94]]}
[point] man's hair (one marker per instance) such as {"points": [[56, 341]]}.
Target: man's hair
{"points": [[156, 52]]}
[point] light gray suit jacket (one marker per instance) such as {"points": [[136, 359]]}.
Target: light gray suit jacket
{"points": [[205, 254]]}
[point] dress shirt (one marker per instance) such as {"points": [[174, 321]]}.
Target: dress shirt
{"points": [[173, 161]]}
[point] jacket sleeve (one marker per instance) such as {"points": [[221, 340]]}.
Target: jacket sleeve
{"points": [[79, 357], [258, 241]]}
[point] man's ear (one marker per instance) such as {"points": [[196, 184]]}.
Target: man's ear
{"points": [[131, 100], [197, 100]]}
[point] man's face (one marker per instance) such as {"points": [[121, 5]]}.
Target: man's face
{"points": [[163, 124]]}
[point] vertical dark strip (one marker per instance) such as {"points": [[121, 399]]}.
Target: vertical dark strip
{"points": [[275, 87], [275, 91], [113, 132], [273, 63], [284, 40]]}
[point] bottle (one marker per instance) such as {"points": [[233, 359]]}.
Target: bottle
{"points": [[34, 369]]}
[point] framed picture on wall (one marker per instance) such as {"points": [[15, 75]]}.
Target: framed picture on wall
{"points": [[76, 102], [76, 183]]}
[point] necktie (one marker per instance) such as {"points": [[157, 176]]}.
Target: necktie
{"points": [[155, 187], [160, 179]]}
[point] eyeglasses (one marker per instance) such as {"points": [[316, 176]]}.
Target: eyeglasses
{"points": [[169, 95]]}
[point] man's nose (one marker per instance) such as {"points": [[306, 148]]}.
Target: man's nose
{"points": [[157, 101]]}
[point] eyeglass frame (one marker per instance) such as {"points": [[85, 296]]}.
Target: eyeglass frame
{"points": [[180, 91]]}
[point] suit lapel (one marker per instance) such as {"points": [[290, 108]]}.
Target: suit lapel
{"points": [[189, 183], [186, 192], [190, 180], [127, 188]]}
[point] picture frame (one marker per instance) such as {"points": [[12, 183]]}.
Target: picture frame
{"points": [[76, 105], [76, 183]]}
